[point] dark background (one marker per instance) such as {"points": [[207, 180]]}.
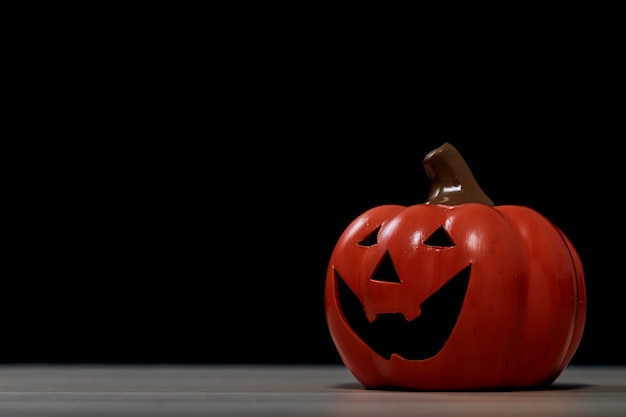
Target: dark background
{"points": [[175, 199]]}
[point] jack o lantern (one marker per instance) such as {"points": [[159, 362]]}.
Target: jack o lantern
{"points": [[455, 293]]}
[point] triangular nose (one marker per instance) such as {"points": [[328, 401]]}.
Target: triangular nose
{"points": [[386, 271]]}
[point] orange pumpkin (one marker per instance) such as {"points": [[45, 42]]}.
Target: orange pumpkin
{"points": [[455, 293]]}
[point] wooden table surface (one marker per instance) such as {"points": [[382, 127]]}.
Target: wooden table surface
{"points": [[285, 390]]}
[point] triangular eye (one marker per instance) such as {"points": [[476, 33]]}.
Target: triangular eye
{"points": [[386, 271], [370, 239], [439, 238]]}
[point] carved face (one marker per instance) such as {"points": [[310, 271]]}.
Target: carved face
{"points": [[454, 297], [399, 332]]}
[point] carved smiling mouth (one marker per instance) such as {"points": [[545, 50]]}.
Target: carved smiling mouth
{"points": [[418, 339]]}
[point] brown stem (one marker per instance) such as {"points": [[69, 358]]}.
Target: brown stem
{"points": [[451, 181]]}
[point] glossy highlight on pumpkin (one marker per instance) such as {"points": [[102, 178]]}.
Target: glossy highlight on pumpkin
{"points": [[460, 296]]}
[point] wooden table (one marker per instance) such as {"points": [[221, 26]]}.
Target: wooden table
{"points": [[285, 390]]}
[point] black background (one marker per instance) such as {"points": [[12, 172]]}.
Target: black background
{"points": [[178, 200]]}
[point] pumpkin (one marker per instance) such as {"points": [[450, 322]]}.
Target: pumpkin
{"points": [[455, 293]]}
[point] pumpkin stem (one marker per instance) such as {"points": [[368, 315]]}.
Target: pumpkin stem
{"points": [[451, 181]]}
